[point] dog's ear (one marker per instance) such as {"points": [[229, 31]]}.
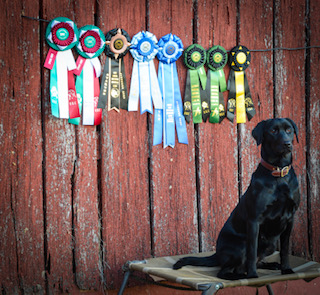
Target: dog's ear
{"points": [[295, 128], [257, 132]]}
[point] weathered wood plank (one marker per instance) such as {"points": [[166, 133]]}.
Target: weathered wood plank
{"points": [[256, 19], [173, 170], [21, 208], [60, 160], [85, 189], [290, 99], [124, 161], [218, 167], [314, 129]]}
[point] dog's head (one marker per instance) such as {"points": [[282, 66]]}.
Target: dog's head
{"points": [[276, 136]]}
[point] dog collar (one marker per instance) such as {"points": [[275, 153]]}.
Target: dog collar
{"points": [[276, 171]]}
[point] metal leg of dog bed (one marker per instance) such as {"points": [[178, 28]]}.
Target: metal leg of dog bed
{"points": [[270, 291], [124, 282]]}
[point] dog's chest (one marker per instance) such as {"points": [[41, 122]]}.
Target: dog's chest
{"points": [[279, 208]]}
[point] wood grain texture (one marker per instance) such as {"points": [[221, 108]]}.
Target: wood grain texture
{"points": [[314, 130], [21, 208], [218, 166], [256, 19], [60, 158], [86, 219], [290, 99], [173, 169], [124, 162], [78, 202]]}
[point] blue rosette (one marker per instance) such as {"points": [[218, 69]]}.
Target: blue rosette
{"points": [[171, 117], [144, 82], [144, 46], [170, 48]]}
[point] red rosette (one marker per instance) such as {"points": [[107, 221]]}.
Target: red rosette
{"points": [[97, 45], [57, 40]]}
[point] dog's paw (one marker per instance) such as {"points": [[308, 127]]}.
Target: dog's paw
{"points": [[252, 275], [287, 271]]}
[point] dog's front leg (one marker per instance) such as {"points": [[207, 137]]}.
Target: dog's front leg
{"points": [[284, 249], [252, 246]]}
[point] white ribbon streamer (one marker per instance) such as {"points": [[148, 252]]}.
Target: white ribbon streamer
{"points": [[88, 94], [134, 88]]}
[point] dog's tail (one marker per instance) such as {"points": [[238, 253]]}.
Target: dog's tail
{"points": [[197, 261]]}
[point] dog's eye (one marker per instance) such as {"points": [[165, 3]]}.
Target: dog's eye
{"points": [[274, 131], [289, 130]]}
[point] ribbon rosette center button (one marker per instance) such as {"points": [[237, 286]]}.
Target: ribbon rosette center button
{"points": [[90, 41], [241, 57], [62, 34], [145, 47], [217, 58], [118, 44], [196, 56]]}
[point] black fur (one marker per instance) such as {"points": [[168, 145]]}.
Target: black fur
{"points": [[265, 212]]}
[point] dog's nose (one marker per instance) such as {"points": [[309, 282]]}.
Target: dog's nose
{"points": [[287, 144]]}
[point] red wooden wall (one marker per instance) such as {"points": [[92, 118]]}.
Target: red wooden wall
{"points": [[77, 202]]}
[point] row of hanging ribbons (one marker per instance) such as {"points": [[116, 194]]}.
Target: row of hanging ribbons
{"points": [[85, 98]]}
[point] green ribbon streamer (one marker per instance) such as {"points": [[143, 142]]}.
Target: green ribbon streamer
{"points": [[79, 90], [54, 99], [187, 99], [214, 97], [202, 76], [195, 96]]}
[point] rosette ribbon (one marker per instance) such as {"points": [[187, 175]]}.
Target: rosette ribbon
{"points": [[169, 118], [62, 35], [144, 81], [216, 60], [90, 46], [195, 98], [239, 99], [114, 86]]}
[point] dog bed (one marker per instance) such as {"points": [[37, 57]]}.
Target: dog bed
{"points": [[205, 278]]}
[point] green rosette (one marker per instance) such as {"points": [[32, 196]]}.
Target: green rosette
{"points": [[91, 41], [194, 58], [62, 34], [217, 58]]}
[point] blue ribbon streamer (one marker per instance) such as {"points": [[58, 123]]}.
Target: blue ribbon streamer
{"points": [[171, 116], [144, 49]]}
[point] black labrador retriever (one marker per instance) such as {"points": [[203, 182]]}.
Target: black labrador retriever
{"points": [[265, 212]]}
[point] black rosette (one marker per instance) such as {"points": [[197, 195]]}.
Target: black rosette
{"points": [[114, 85], [117, 43], [194, 56], [217, 58], [240, 58], [239, 99]]}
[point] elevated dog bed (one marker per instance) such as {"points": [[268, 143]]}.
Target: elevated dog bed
{"points": [[205, 278]]}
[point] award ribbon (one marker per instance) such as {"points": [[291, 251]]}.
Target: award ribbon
{"points": [[62, 35], [217, 58], [114, 86], [239, 98], [165, 121], [144, 81], [88, 70], [194, 59]]}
